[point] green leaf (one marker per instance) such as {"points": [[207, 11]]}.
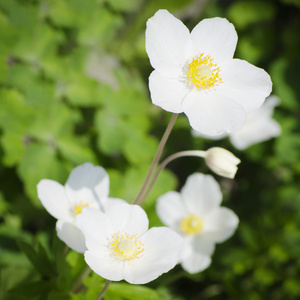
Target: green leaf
{"points": [[75, 149], [140, 148], [95, 33], [133, 292], [35, 290], [56, 122], [112, 132], [39, 162], [41, 41], [38, 258]]}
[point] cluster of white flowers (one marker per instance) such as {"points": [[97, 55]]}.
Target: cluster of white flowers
{"points": [[113, 234], [195, 73]]}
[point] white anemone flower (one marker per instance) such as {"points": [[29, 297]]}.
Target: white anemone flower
{"points": [[195, 73], [120, 246], [87, 186], [259, 127], [196, 215]]}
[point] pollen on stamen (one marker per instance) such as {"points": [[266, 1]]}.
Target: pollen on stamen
{"points": [[79, 206], [126, 247], [202, 73]]}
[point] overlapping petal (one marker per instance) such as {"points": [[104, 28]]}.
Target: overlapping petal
{"points": [[158, 258], [201, 194], [71, 235], [246, 84], [87, 183], [215, 37], [128, 218], [101, 263], [213, 113], [170, 209], [166, 92], [53, 197], [89, 222]]}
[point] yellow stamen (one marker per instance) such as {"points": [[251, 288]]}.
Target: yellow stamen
{"points": [[191, 224], [202, 73], [78, 207], [126, 247]]}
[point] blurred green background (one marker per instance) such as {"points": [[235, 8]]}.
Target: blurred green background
{"points": [[73, 89]]}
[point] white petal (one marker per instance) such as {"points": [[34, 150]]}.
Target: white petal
{"points": [[196, 262], [162, 247], [260, 132], [259, 126], [102, 264], [71, 235], [54, 198], [128, 217], [215, 37], [167, 93], [88, 183], [201, 194], [196, 252], [166, 41], [245, 83], [170, 209], [212, 113], [95, 226], [221, 224], [108, 202]]}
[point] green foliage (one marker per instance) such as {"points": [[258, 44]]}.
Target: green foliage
{"points": [[73, 89]]}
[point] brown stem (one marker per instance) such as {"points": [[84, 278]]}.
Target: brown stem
{"points": [[168, 160], [139, 199], [103, 290]]}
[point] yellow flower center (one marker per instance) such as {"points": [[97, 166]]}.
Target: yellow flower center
{"points": [[202, 73], [79, 206], [191, 225], [126, 247]]}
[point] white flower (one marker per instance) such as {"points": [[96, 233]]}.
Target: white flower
{"points": [[221, 161], [259, 126], [195, 73], [120, 246], [87, 186], [195, 213]]}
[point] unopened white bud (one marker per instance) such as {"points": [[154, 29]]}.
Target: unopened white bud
{"points": [[222, 161]]}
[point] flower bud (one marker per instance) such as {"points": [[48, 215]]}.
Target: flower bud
{"points": [[221, 161]]}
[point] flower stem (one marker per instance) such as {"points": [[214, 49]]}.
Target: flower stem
{"points": [[103, 290], [78, 283], [198, 153], [140, 198]]}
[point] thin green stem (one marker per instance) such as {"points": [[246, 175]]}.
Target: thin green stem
{"points": [[140, 198], [198, 153], [103, 290]]}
